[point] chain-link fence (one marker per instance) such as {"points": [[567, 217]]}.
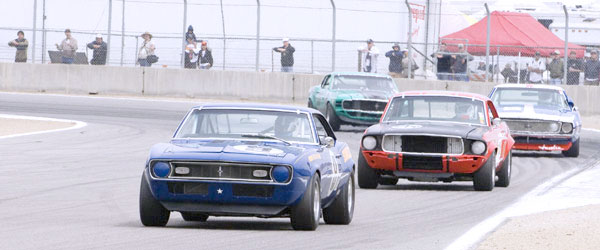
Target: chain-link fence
{"points": [[326, 35]]}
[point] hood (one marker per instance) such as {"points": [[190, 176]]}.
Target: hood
{"points": [[538, 112], [227, 150], [365, 94], [462, 130]]}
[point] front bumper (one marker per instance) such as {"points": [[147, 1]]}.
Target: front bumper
{"points": [[225, 197], [462, 164], [543, 142]]}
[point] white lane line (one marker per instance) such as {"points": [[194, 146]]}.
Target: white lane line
{"points": [[523, 206], [78, 124]]}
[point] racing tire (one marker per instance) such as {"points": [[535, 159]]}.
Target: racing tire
{"points": [[187, 216], [306, 214], [367, 177], [332, 118], [340, 212], [505, 172], [152, 213], [573, 151], [484, 178], [388, 181]]}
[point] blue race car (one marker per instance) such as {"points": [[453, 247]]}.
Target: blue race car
{"points": [[250, 160]]}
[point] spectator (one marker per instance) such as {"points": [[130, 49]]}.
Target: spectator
{"points": [[205, 56], [68, 48], [575, 67], [190, 34], [146, 53], [395, 55], [536, 68], [405, 62], [555, 67], [443, 63], [459, 64], [100, 48], [591, 71], [369, 56], [509, 74], [287, 55], [21, 44], [191, 54]]}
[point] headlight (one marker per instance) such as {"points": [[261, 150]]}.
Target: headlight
{"points": [[161, 169], [281, 174], [553, 127], [369, 142], [478, 147], [567, 127]]}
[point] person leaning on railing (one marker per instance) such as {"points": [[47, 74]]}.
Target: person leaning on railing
{"points": [[555, 67], [591, 72], [67, 48], [574, 68], [21, 44]]}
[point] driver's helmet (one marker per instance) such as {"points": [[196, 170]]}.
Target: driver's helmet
{"points": [[285, 126], [464, 110]]}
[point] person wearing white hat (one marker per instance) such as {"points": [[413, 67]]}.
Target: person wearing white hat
{"points": [[555, 68], [100, 49], [287, 55]]}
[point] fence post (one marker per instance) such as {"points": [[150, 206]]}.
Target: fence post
{"points": [[333, 35], [43, 31], [409, 73], [257, 35], [224, 40], [487, 42], [34, 30], [566, 44], [122, 32], [109, 32], [184, 40], [312, 57]]}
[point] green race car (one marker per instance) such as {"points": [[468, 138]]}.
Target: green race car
{"points": [[352, 98]]}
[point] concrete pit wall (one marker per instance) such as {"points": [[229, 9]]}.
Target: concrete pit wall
{"points": [[213, 84]]}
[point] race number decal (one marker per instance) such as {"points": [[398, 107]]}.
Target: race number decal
{"points": [[335, 173]]}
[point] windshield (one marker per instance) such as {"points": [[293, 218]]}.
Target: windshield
{"points": [[436, 108], [364, 83], [537, 97], [245, 124]]}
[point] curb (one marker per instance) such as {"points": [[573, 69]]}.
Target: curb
{"points": [[78, 124]]}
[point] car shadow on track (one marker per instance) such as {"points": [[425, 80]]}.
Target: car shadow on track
{"points": [[224, 223], [428, 187]]}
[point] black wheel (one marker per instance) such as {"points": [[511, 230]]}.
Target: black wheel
{"points": [[505, 172], [573, 151], [187, 216], [388, 181], [484, 178], [306, 214], [342, 209], [152, 213], [367, 178], [332, 118]]}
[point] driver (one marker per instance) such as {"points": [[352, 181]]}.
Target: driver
{"points": [[544, 98], [285, 127], [464, 111]]}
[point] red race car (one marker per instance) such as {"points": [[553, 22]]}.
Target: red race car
{"points": [[437, 136]]}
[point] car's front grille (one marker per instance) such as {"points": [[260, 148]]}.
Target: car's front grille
{"points": [[422, 162], [532, 126], [364, 105], [221, 171], [423, 144], [253, 190], [188, 188], [364, 115]]}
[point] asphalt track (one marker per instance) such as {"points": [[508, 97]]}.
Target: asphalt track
{"points": [[78, 189]]}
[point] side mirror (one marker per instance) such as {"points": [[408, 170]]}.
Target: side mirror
{"points": [[496, 121], [328, 142]]}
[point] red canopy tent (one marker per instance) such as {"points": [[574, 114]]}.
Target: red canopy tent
{"points": [[511, 32]]}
